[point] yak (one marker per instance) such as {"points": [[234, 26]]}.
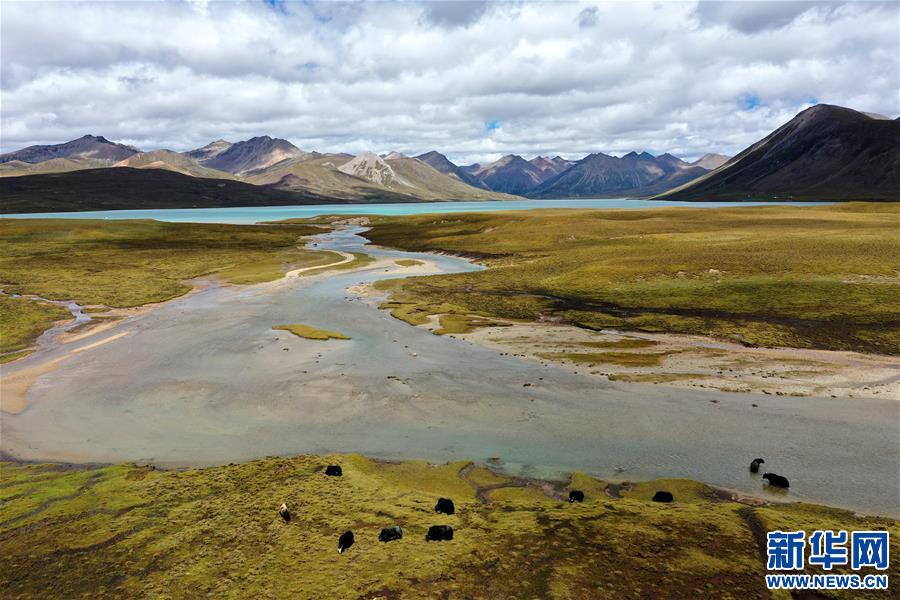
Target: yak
{"points": [[445, 505], [576, 496], [777, 480], [285, 513], [754, 466], [663, 496], [439, 533], [389, 534], [334, 470], [345, 541]]}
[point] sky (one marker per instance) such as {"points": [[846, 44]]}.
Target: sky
{"points": [[474, 80]]}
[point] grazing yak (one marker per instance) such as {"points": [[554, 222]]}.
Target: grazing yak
{"points": [[439, 533], [777, 480], [662, 496], [576, 496], [345, 541], [285, 513], [445, 505], [334, 470], [389, 534], [754, 466]]}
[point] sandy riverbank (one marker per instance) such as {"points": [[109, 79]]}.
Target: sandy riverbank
{"points": [[687, 361], [699, 362]]}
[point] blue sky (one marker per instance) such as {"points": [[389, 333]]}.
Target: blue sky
{"points": [[474, 80]]}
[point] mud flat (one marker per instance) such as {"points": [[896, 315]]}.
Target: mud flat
{"points": [[696, 362]]}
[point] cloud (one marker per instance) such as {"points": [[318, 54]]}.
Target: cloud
{"points": [[677, 77], [588, 17], [751, 16], [453, 13]]}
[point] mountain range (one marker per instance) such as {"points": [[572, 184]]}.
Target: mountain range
{"points": [[825, 152]]}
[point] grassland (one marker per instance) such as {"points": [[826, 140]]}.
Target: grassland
{"points": [[806, 277], [408, 262], [311, 333], [129, 531], [624, 359], [22, 320], [130, 263]]}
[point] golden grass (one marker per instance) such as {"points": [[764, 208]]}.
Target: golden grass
{"points": [[622, 359], [311, 333], [130, 263], [408, 262], [455, 323], [128, 531], [811, 277], [22, 320]]}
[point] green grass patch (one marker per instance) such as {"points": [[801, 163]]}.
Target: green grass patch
{"points": [[622, 359], [23, 320], [311, 333], [454, 323], [128, 531], [408, 262], [360, 260], [810, 277]]}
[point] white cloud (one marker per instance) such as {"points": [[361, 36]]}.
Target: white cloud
{"points": [[474, 80]]}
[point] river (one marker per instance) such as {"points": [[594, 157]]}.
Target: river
{"points": [[203, 380]]}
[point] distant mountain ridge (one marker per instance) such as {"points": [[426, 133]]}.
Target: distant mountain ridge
{"points": [[94, 147], [251, 155], [824, 153], [512, 174], [442, 164], [601, 175], [209, 151]]}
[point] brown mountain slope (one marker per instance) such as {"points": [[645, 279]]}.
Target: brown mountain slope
{"points": [[209, 151], [89, 146], [824, 153], [16, 168], [130, 188], [171, 161], [441, 163], [253, 154]]}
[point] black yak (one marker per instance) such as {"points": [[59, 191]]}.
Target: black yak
{"points": [[754, 466], [389, 534], [662, 496], [777, 480], [345, 541], [576, 496], [445, 505], [439, 533], [285, 513], [334, 470]]}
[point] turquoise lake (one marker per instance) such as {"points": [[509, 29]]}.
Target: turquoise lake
{"points": [[254, 214]]}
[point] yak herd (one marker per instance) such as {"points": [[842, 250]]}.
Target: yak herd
{"points": [[435, 533], [439, 533]]}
